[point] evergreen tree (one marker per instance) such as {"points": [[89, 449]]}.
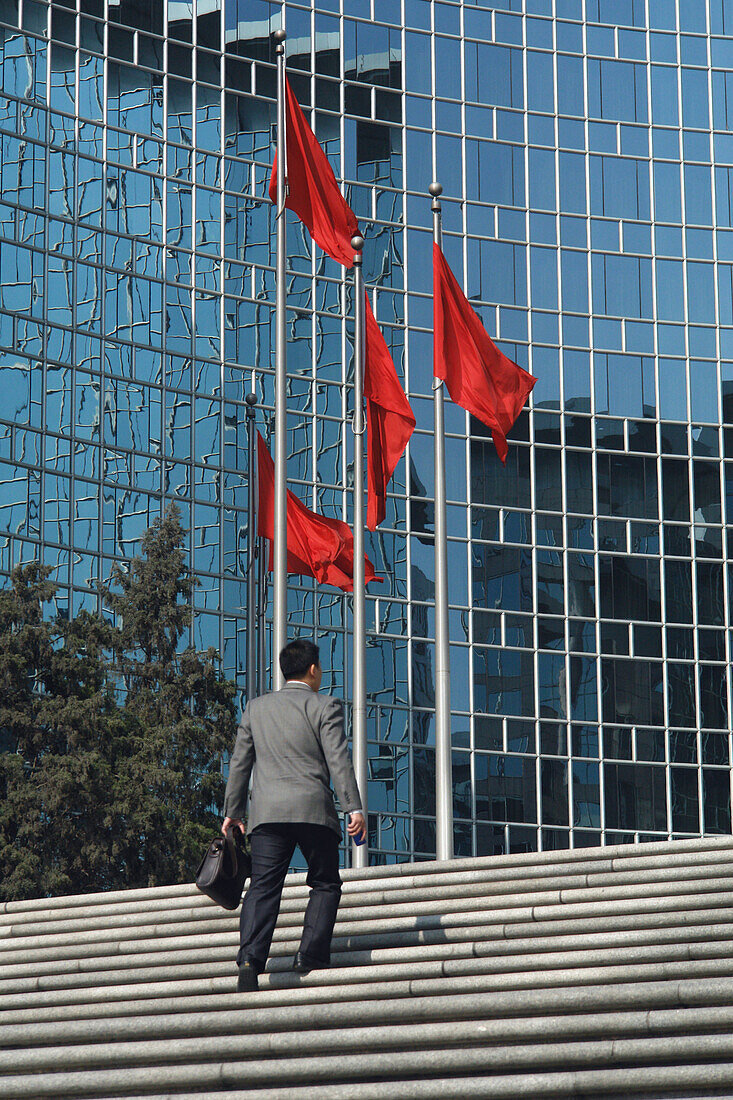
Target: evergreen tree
{"points": [[179, 713], [113, 732], [59, 722]]}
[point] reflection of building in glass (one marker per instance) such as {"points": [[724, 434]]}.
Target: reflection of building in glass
{"points": [[588, 171]]}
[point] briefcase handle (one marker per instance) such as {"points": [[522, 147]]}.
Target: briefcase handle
{"points": [[234, 840]]}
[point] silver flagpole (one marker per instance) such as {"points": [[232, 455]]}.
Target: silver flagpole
{"points": [[252, 556], [443, 758], [359, 852], [280, 549]]}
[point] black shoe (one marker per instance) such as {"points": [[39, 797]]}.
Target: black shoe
{"points": [[303, 965], [247, 981]]}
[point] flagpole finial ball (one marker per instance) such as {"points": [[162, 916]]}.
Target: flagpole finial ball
{"points": [[251, 399], [280, 35], [435, 189], [357, 242]]}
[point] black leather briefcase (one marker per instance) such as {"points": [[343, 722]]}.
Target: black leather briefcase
{"points": [[224, 868]]}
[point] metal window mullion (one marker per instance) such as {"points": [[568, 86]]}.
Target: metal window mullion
{"points": [[408, 523], [536, 667], [312, 416], [721, 441], [433, 94], [696, 683], [74, 286], [344, 296], [532, 487], [44, 345], [691, 529], [102, 271], [77, 82], [563, 489], [164, 243], [599, 656], [408, 506], [662, 588], [691, 478], [343, 460], [526, 212], [536, 663], [344, 279], [467, 452], [222, 346], [408, 604], [314, 434], [658, 457], [594, 453], [194, 311]]}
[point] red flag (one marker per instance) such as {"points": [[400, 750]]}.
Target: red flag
{"points": [[317, 547], [390, 419], [312, 191], [478, 376]]}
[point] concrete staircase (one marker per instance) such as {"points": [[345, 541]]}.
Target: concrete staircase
{"points": [[604, 972]]}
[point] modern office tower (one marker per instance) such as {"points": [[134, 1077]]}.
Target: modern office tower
{"points": [[585, 148]]}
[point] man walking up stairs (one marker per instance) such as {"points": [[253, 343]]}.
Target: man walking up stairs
{"points": [[294, 740]]}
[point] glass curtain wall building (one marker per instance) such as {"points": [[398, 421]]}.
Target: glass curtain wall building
{"points": [[585, 148]]}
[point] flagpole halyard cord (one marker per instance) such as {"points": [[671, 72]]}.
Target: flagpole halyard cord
{"points": [[280, 548], [443, 758], [359, 853]]}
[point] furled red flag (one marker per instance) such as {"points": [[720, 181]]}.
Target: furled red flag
{"points": [[478, 376], [317, 547], [312, 191], [390, 419]]}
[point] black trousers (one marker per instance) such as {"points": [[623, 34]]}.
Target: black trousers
{"points": [[272, 849]]}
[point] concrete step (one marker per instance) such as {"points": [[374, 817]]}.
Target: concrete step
{"points": [[496, 1029], [633, 1063], [510, 909], [346, 985], [601, 972], [218, 1060], [124, 970], [100, 990], [707, 879], [557, 1029], [493, 956], [483, 883], [671, 926], [526, 864], [375, 982], [313, 1008], [652, 1083]]}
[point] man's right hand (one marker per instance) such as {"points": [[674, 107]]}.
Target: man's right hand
{"points": [[233, 823], [357, 826]]}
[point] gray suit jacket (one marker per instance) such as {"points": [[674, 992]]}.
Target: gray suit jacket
{"points": [[294, 739]]}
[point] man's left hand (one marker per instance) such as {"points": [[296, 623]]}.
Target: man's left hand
{"points": [[233, 823], [357, 826]]}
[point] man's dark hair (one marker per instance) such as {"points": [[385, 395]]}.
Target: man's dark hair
{"points": [[297, 657]]}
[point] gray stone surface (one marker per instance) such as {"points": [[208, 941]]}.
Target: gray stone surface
{"points": [[600, 972], [484, 883]]}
